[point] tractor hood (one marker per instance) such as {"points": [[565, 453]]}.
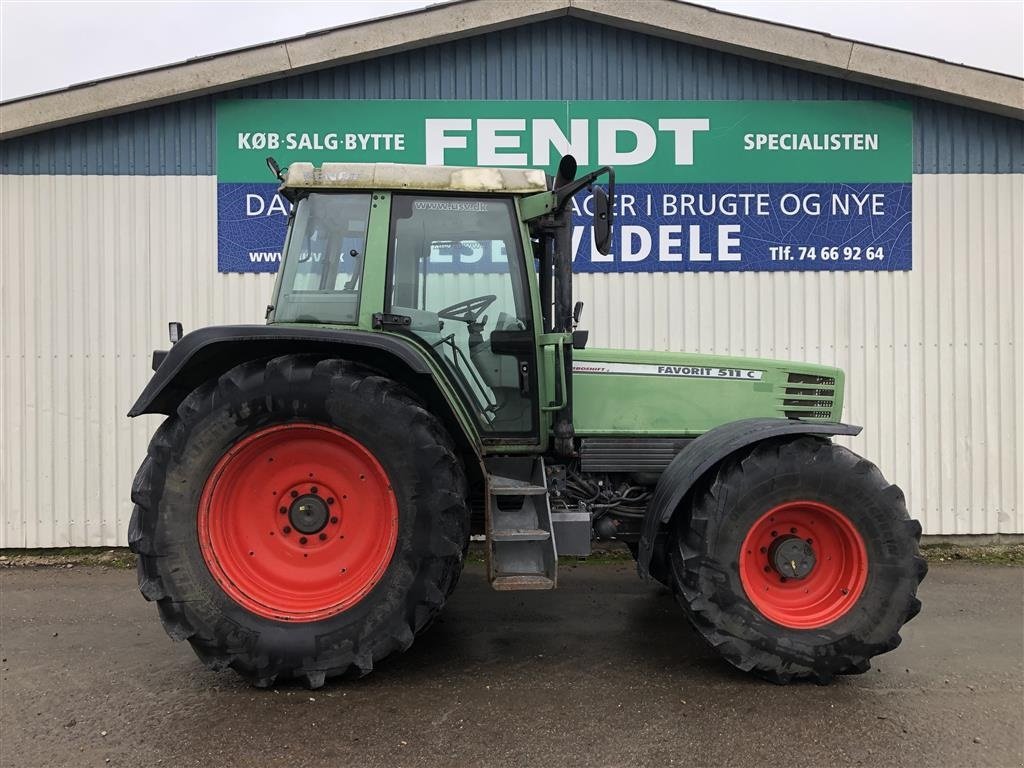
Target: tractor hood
{"points": [[631, 392]]}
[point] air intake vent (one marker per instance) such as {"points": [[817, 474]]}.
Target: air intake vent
{"points": [[629, 454], [807, 396]]}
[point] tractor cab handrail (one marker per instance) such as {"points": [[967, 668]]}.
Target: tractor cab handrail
{"points": [[558, 341]]}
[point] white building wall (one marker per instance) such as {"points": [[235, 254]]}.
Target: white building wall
{"points": [[93, 267]]}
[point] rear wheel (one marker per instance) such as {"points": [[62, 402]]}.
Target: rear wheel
{"points": [[299, 519], [798, 561]]}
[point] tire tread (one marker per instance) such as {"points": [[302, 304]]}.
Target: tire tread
{"points": [[442, 503], [692, 566]]}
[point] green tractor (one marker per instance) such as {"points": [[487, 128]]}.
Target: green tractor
{"points": [[306, 507]]}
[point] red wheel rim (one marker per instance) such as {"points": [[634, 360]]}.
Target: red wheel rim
{"points": [[297, 522], [796, 589]]}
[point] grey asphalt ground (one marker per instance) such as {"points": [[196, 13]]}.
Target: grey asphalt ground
{"points": [[604, 671]]}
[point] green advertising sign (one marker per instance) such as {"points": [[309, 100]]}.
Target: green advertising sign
{"points": [[646, 141]]}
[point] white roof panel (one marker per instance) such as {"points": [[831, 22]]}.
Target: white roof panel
{"points": [[419, 177]]}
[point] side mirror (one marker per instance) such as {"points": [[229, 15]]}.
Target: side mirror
{"points": [[275, 168], [602, 221]]}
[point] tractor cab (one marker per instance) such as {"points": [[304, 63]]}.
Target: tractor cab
{"points": [[466, 262]]}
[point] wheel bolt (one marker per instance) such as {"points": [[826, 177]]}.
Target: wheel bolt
{"points": [[334, 521], [774, 534], [792, 530], [302, 540], [323, 537], [764, 550], [330, 499], [313, 489], [287, 529], [295, 494], [767, 569], [283, 510]]}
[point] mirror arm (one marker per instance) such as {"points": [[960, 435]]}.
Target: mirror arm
{"points": [[565, 193]]}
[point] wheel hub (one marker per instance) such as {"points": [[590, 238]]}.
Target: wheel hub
{"points": [[309, 514], [803, 564], [297, 522], [792, 557]]}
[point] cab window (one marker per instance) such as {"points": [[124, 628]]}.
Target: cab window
{"points": [[320, 278]]}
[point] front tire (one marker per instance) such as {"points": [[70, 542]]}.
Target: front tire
{"points": [[798, 561], [299, 519]]}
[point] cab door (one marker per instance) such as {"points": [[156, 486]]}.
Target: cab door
{"points": [[456, 269]]}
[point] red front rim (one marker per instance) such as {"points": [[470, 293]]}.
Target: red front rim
{"points": [[803, 564], [298, 522]]}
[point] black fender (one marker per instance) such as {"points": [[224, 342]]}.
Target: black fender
{"points": [[704, 453], [208, 352]]}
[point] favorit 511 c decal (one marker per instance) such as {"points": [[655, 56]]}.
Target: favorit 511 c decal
{"points": [[684, 371]]}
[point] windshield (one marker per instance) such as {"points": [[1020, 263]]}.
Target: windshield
{"points": [[320, 278]]}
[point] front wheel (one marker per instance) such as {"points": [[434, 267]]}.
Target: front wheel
{"points": [[798, 560], [299, 519]]}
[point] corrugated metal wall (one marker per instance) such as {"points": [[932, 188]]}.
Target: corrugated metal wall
{"points": [[94, 262], [93, 267], [558, 59], [932, 355]]}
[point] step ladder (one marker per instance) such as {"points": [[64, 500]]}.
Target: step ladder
{"points": [[520, 542]]}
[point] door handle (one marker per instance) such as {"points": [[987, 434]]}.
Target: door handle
{"points": [[524, 378]]}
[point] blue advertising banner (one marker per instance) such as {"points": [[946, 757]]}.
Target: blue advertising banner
{"points": [[703, 186], [748, 227]]}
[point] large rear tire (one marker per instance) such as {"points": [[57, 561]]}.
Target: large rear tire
{"points": [[299, 519], [798, 561]]}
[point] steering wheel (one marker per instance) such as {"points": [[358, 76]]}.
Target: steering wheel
{"points": [[469, 310]]}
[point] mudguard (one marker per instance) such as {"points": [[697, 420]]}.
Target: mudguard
{"points": [[210, 351], [704, 453]]}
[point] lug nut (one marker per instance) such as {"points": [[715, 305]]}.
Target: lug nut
{"points": [[792, 530], [334, 521], [313, 489], [330, 499], [295, 494], [283, 510], [287, 529], [323, 537], [302, 540]]}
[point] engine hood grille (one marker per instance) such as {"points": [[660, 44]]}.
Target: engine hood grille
{"points": [[807, 396]]}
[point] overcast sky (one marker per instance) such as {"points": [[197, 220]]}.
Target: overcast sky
{"points": [[48, 45]]}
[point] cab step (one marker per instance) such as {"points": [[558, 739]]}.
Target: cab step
{"points": [[510, 486], [521, 550], [521, 534], [513, 583]]}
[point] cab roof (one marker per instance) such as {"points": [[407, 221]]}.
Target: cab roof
{"points": [[427, 178]]}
